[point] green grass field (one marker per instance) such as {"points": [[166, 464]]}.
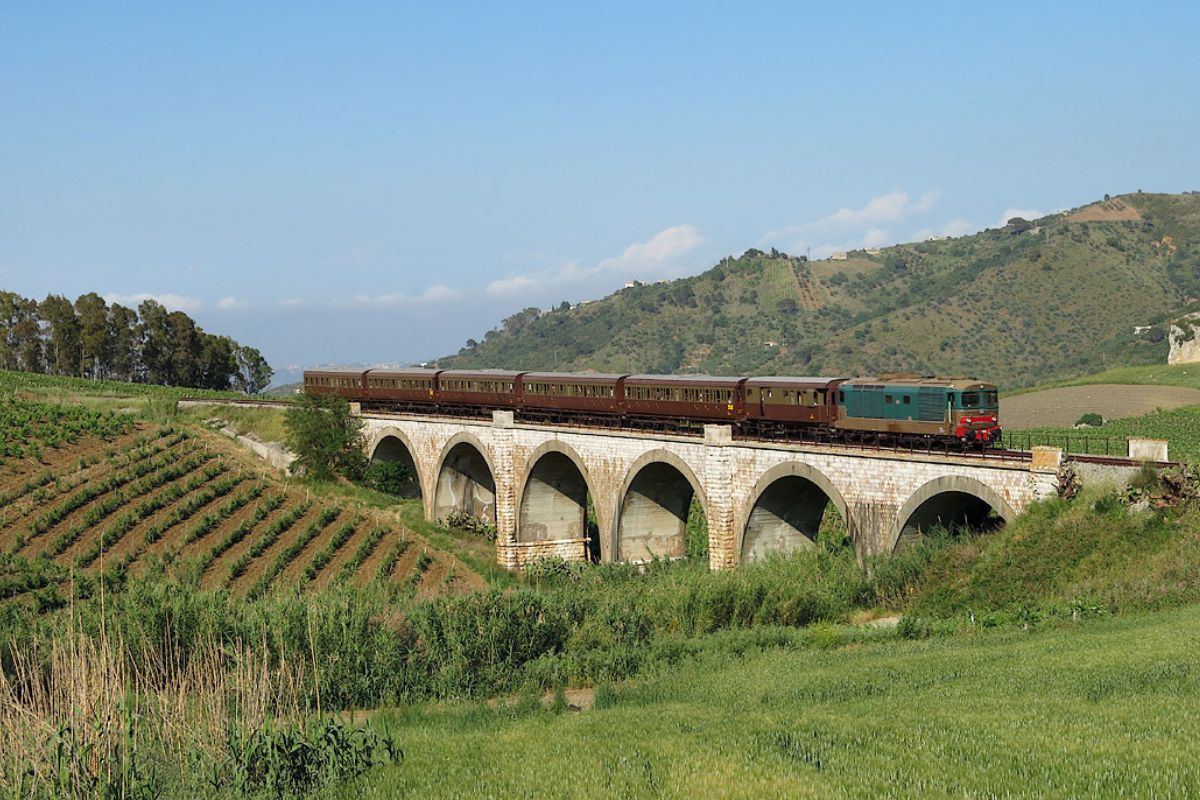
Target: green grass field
{"points": [[1098, 709]]}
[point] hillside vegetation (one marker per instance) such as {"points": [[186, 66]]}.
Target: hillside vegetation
{"points": [[1028, 303], [232, 624]]}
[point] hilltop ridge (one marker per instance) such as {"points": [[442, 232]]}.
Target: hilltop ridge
{"points": [[1033, 301]]}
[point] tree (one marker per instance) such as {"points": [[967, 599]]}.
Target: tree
{"points": [[10, 315], [95, 340], [63, 351], [253, 373], [126, 343], [186, 346], [27, 337], [155, 336], [217, 364], [325, 437]]}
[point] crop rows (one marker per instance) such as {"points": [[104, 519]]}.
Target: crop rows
{"points": [[209, 522], [147, 508], [107, 505], [43, 493], [51, 485], [364, 551], [26, 427], [388, 565], [92, 491], [322, 559], [242, 530], [188, 509], [268, 538], [294, 549]]}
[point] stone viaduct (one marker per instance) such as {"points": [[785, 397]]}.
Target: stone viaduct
{"points": [[534, 482]]}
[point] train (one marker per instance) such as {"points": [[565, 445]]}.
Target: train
{"points": [[895, 408]]}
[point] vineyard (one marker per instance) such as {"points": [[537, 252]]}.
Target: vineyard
{"points": [[88, 498]]}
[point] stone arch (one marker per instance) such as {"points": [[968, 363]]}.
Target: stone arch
{"points": [[785, 511], [465, 480], [393, 444], [948, 500], [552, 498], [652, 508]]}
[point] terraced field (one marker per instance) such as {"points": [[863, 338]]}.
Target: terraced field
{"points": [[118, 498]]}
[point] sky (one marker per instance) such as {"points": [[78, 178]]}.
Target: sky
{"points": [[344, 183]]}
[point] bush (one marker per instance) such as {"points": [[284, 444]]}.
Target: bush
{"points": [[1091, 420]]}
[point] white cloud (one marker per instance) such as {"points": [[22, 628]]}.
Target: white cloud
{"points": [[293, 302], [433, 295], [1024, 213], [229, 303], [174, 302], [656, 258], [852, 228]]}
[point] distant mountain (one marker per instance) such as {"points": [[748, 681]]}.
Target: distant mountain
{"points": [[1035, 300]]}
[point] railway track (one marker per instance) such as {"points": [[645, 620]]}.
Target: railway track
{"points": [[987, 454]]}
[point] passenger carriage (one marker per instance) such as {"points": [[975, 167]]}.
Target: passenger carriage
{"points": [[591, 393], [403, 387], [478, 390], [699, 397]]}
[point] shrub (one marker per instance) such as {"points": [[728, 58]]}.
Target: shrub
{"points": [[1091, 420]]}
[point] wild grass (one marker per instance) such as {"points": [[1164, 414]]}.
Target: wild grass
{"points": [[1078, 710]]}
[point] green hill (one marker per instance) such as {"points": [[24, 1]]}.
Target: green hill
{"points": [[1030, 302]]}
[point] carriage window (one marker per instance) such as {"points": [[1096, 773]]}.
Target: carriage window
{"points": [[970, 399], [908, 400]]}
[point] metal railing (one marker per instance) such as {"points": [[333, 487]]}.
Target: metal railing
{"points": [[1076, 444]]}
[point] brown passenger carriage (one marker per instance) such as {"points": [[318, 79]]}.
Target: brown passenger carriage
{"points": [[595, 393], [347, 383], [786, 400], [402, 387], [703, 397], [478, 390]]}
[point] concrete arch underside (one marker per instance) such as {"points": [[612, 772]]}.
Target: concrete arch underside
{"points": [[788, 506], [653, 506], [466, 481], [392, 445], [952, 501], [552, 504]]}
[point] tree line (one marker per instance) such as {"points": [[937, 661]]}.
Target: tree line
{"points": [[93, 339]]}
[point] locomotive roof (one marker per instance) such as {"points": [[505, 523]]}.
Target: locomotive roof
{"points": [[581, 377], [945, 383], [782, 380], [686, 380]]}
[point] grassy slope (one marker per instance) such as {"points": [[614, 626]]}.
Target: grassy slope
{"points": [[1016, 308], [1087, 711]]}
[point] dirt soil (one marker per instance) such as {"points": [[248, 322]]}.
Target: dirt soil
{"points": [[1106, 211], [1061, 407]]}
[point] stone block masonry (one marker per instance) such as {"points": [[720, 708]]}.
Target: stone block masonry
{"points": [[536, 481]]}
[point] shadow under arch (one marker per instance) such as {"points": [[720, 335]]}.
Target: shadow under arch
{"points": [[951, 500], [552, 500], [465, 480], [650, 518], [789, 502], [393, 444]]}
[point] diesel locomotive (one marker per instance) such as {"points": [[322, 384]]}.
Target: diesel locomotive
{"points": [[895, 408]]}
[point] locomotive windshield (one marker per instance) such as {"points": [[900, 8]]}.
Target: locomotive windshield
{"points": [[982, 399]]}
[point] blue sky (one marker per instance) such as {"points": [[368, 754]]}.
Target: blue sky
{"points": [[358, 182]]}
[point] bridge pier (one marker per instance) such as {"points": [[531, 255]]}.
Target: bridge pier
{"points": [[537, 484]]}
